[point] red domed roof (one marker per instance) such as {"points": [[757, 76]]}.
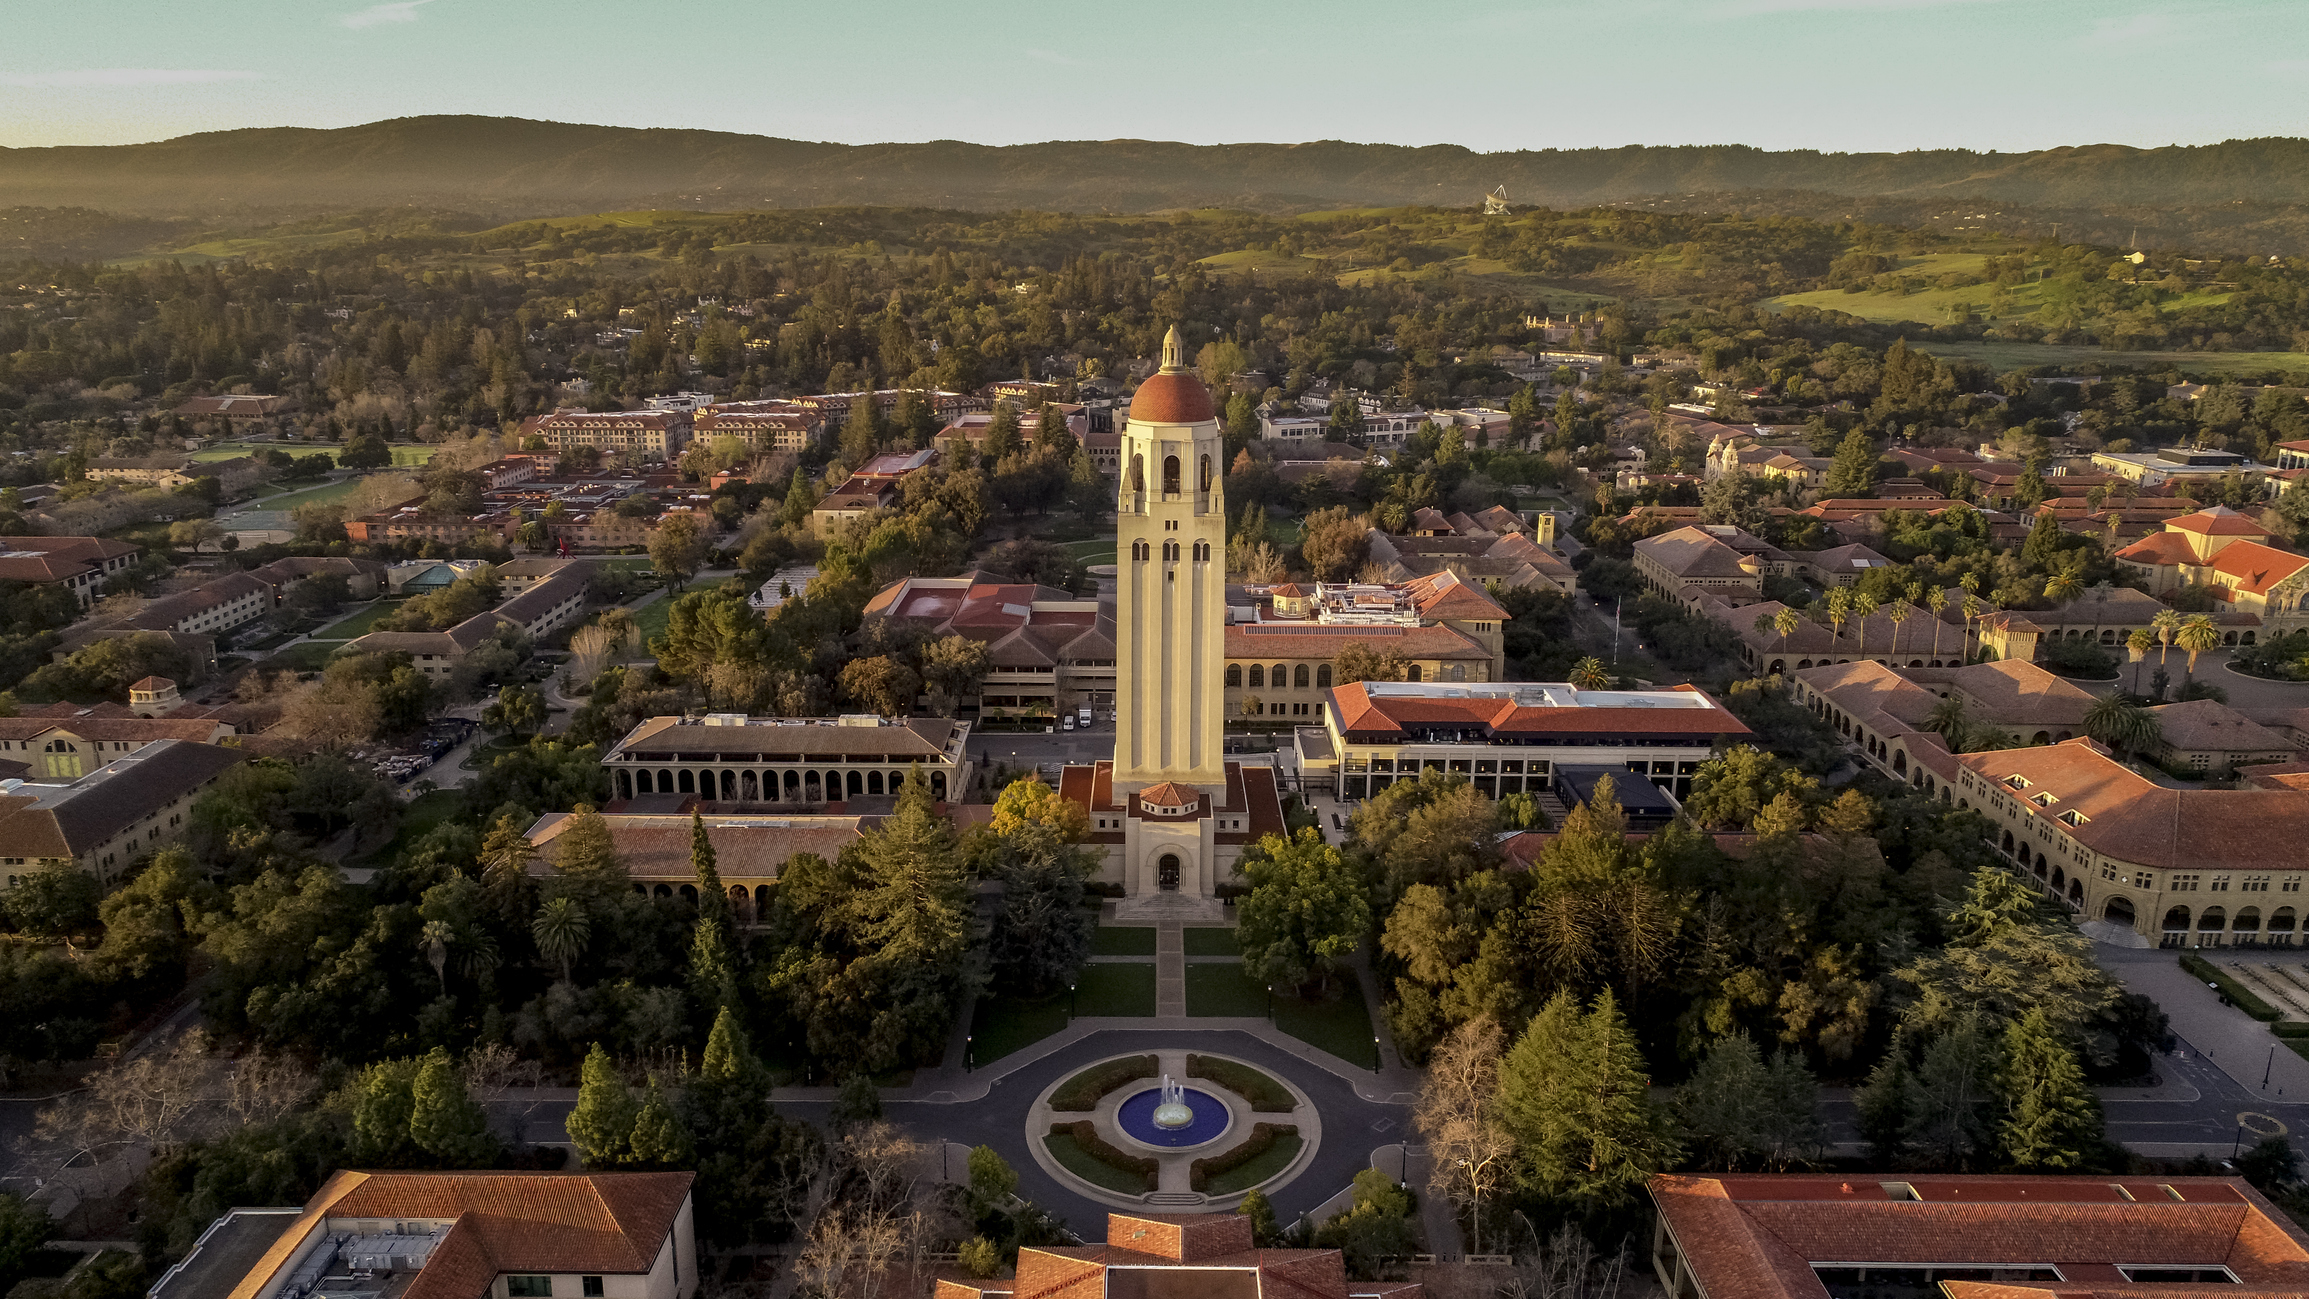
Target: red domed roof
{"points": [[1172, 398]]}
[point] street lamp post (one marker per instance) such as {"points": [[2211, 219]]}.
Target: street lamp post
{"points": [[2268, 1065], [969, 1052], [1073, 1004], [1375, 1053], [1270, 1003]]}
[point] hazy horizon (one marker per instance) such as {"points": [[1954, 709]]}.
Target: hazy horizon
{"points": [[1839, 76]]}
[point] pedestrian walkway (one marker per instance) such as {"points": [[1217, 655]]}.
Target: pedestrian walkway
{"points": [[1170, 970]]}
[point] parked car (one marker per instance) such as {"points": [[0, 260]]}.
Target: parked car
{"points": [[1068, 723]]}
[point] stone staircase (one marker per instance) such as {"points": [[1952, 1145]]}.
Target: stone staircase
{"points": [[1169, 908]]}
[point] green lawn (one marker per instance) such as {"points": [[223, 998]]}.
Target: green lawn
{"points": [[649, 621], [1258, 1168], [483, 755], [1001, 1025], [1099, 550], [1117, 989], [361, 621], [417, 820], [321, 495], [2009, 356], [1212, 942], [1097, 1172], [1341, 1026], [305, 656], [1123, 940]]}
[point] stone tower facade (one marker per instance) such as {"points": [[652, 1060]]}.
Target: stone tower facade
{"points": [[1170, 616]]}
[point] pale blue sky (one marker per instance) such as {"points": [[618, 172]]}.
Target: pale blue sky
{"points": [[1489, 74]]}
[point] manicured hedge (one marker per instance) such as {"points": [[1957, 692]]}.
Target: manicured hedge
{"points": [[1082, 1092], [1263, 1136], [2236, 992], [1265, 1094], [2290, 1028], [1085, 1134]]}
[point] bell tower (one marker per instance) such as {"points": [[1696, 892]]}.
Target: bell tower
{"points": [[1170, 616]]}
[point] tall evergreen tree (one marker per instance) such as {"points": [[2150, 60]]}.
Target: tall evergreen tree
{"points": [[381, 1109], [443, 1119], [602, 1123], [1948, 1121], [713, 899], [2052, 1120], [1854, 472], [1886, 1103], [659, 1139], [1574, 1093]]}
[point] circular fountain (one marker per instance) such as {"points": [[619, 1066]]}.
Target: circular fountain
{"points": [[1173, 1117]]}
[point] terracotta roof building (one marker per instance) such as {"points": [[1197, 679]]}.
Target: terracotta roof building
{"points": [[2202, 737], [1049, 651], [1811, 1236], [2221, 549], [761, 425], [1707, 557], [67, 748], [750, 850], [1507, 738], [1281, 642], [1506, 559], [774, 763], [641, 434], [2179, 866], [1177, 1256], [80, 565], [455, 1236], [1920, 640], [112, 817]]}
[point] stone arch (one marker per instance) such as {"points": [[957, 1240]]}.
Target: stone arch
{"points": [[1170, 475], [1779, 668], [1258, 676], [1234, 676], [2177, 920], [1203, 475], [2041, 737], [688, 781], [2248, 638], [1299, 677], [662, 891], [761, 900], [1802, 664], [2076, 891], [812, 790], [1916, 663], [1411, 673], [2008, 843], [938, 785], [1322, 676], [1137, 479], [2041, 865], [689, 894], [854, 784], [741, 904], [793, 784], [625, 784], [2248, 921], [2212, 920], [874, 782], [729, 786], [2118, 909], [2059, 878], [1169, 873], [2228, 638], [664, 781]]}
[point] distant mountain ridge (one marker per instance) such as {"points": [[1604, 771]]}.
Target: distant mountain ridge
{"points": [[515, 167]]}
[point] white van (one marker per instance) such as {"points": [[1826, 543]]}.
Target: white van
{"points": [[1083, 715]]}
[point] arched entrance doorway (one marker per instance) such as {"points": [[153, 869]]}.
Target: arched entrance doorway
{"points": [[1167, 872]]}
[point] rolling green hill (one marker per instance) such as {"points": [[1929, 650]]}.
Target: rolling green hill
{"points": [[509, 167]]}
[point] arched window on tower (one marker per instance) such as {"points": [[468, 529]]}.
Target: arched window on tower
{"points": [[1203, 477], [1136, 482], [1170, 475], [1202, 552]]}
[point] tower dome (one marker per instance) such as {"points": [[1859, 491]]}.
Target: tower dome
{"points": [[1173, 394]]}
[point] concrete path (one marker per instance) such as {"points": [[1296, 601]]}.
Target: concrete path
{"points": [[1170, 970]]}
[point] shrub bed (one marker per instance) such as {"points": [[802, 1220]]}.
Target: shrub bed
{"points": [[1263, 1137], [2236, 992], [1082, 1092], [2290, 1028], [1265, 1094], [1086, 1137]]}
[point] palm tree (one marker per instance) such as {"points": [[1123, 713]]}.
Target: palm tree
{"points": [[1987, 737], [2122, 725], [1937, 601], [1839, 608], [1947, 717], [435, 938], [1863, 604], [561, 930], [1973, 608], [1786, 622], [2138, 645], [2063, 587], [2196, 636], [1898, 614], [2168, 624], [1589, 674], [2100, 594]]}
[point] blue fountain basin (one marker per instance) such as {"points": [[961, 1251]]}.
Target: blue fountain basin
{"points": [[1136, 1118]]}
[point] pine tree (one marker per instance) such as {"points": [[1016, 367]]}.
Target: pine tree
{"points": [[1947, 1123], [1854, 472], [1573, 1093], [443, 1120], [602, 1123], [1886, 1102], [1265, 1233], [713, 967], [659, 1139], [2043, 542], [2052, 1120], [1001, 434], [862, 431], [713, 899]]}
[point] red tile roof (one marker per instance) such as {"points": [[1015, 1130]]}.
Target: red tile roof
{"points": [[2134, 819], [1757, 1237], [2218, 521], [2253, 568], [1362, 713]]}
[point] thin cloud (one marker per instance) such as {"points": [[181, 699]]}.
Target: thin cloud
{"points": [[126, 77], [2126, 31], [399, 11]]}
